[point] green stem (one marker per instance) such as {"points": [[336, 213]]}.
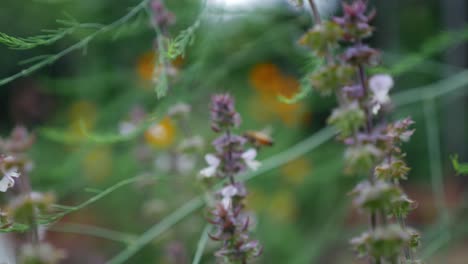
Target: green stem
{"points": [[201, 245], [433, 142], [94, 231], [157, 230], [315, 12]]}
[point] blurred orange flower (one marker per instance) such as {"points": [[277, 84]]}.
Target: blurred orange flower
{"points": [[270, 83], [263, 77], [147, 68], [145, 65], [162, 134], [287, 87]]}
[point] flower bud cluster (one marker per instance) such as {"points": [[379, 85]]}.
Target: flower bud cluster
{"points": [[232, 224], [373, 147]]}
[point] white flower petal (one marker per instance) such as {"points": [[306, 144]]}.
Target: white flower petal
{"points": [[208, 172], [253, 164], [226, 202], [380, 86], [13, 172], [6, 183], [381, 82], [250, 154], [212, 160], [375, 109], [9, 159], [229, 191]]}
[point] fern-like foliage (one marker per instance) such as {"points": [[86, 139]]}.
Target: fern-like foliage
{"points": [[178, 45], [48, 37], [63, 210]]}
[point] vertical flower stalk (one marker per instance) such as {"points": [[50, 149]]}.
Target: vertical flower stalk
{"points": [[15, 163], [25, 207], [373, 147], [232, 224]]}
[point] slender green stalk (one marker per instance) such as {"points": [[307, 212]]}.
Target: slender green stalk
{"points": [[315, 12], [157, 230], [201, 245], [162, 82], [94, 231], [433, 142], [451, 84], [45, 219]]}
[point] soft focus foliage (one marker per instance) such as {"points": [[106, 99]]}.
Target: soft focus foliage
{"points": [[106, 122]]}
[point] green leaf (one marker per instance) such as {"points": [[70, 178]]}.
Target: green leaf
{"points": [[460, 168]]}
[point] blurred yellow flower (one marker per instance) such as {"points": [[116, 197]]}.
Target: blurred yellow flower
{"points": [[282, 206], [97, 164], [162, 134], [81, 113], [294, 172]]}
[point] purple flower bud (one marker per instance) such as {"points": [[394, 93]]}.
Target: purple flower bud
{"points": [[161, 16], [223, 112], [361, 54], [355, 21], [354, 91]]}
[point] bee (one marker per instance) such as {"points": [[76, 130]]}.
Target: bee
{"points": [[259, 138]]}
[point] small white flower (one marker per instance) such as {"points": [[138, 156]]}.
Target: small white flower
{"points": [[7, 181], [249, 159], [179, 109], [227, 193], [380, 86], [213, 163]]}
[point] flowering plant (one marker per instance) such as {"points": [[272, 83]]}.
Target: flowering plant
{"points": [[232, 224], [373, 145]]}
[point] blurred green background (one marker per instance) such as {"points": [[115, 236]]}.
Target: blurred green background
{"points": [[249, 49]]}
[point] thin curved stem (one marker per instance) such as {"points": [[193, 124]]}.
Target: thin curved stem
{"points": [[315, 12]]}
